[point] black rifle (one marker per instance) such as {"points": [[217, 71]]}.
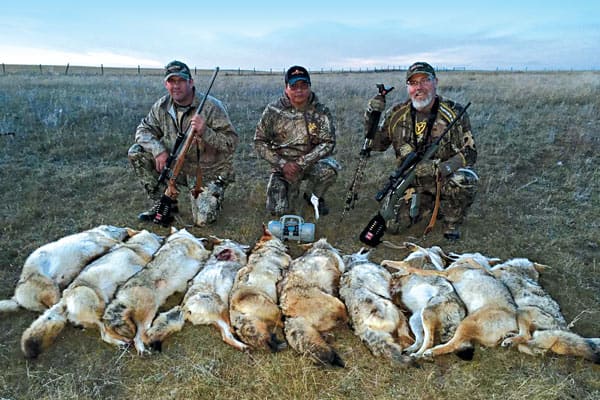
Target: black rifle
{"points": [[183, 141], [365, 152], [398, 182]]}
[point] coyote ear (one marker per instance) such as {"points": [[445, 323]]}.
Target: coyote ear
{"points": [[540, 267], [131, 232]]}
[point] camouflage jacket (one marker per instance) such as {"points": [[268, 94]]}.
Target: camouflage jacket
{"points": [[158, 131], [286, 134], [397, 130]]}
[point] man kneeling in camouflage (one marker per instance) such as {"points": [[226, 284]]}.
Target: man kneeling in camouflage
{"points": [[295, 135], [210, 157], [411, 127]]}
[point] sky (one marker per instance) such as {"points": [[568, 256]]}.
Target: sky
{"points": [[264, 35]]}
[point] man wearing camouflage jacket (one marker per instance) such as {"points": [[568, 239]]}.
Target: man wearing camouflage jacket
{"points": [[210, 156], [411, 127], [295, 135]]}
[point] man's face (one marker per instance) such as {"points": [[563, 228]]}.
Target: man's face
{"points": [[298, 93], [421, 90], [181, 90]]}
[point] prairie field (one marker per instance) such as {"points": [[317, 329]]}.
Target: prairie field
{"points": [[64, 169]]}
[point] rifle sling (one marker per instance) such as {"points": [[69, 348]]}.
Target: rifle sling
{"points": [[436, 207]]}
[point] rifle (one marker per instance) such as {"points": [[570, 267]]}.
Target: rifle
{"points": [[177, 155], [398, 182], [365, 152]]}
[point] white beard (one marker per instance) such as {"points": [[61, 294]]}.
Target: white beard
{"points": [[421, 104]]}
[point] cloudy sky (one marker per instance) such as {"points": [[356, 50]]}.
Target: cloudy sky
{"points": [[523, 34]]}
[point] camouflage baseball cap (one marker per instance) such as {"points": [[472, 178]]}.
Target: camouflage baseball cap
{"points": [[177, 68], [420, 67], [295, 74]]}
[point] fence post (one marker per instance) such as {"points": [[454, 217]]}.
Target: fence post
{"points": [[101, 69], [67, 69], [40, 68], [3, 69], [138, 69]]}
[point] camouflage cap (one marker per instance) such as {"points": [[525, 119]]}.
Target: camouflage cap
{"points": [[177, 68], [420, 67], [295, 74]]}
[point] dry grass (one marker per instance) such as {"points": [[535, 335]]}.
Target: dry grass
{"points": [[65, 170]]}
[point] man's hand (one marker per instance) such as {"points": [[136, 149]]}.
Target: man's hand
{"points": [[291, 171], [427, 168], [198, 125], [377, 103], [160, 161]]}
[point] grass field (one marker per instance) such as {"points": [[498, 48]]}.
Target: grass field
{"points": [[63, 169]]}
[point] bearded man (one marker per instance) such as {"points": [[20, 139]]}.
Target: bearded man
{"points": [[447, 178]]}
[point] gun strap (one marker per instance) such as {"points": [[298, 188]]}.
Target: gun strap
{"points": [[436, 207], [197, 189]]}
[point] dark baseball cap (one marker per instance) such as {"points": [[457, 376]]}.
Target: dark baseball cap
{"points": [[420, 67], [295, 74], [177, 68]]}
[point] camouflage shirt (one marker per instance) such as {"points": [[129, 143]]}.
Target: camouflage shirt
{"points": [[287, 134], [158, 131], [397, 130]]}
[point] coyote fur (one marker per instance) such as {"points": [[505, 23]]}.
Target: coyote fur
{"points": [[207, 299], [129, 316], [253, 302], [375, 319], [491, 310], [435, 307], [542, 327], [84, 300], [52, 267], [309, 302]]}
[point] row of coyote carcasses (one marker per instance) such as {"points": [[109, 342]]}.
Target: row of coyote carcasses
{"points": [[428, 304]]}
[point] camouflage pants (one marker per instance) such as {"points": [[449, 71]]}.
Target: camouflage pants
{"points": [[205, 208], [457, 194], [284, 197]]}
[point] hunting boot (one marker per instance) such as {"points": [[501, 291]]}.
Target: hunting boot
{"points": [[148, 216], [452, 232]]}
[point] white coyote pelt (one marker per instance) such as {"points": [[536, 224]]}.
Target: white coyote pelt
{"points": [[129, 316], [53, 266], [84, 300], [207, 298]]}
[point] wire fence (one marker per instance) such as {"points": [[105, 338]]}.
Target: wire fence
{"points": [[40, 69]]}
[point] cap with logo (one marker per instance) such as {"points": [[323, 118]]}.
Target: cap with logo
{"points": [[420, 67], [295, 74], [177, 68]]}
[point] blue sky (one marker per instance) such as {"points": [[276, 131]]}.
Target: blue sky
{"points": [[534, 35]]}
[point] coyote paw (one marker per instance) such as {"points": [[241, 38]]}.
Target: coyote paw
{"points": [[508, 342]]}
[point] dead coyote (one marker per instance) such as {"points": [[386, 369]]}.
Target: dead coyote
{"points": [[84, 300], [207, 298], [253, 303], [130, 314], [309, 302], [375, 319], [52, 267]]}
